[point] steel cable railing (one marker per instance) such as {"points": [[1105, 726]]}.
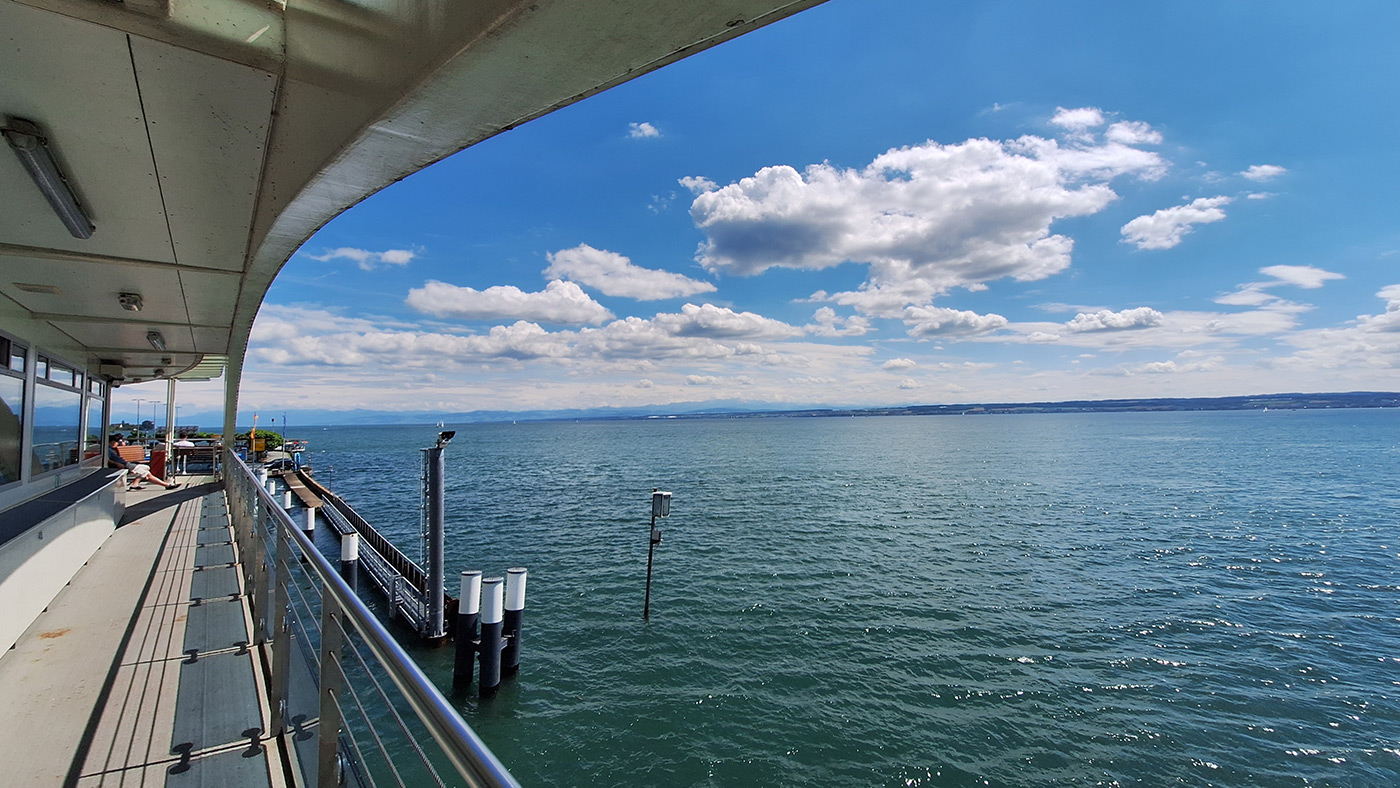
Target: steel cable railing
{"points": [[277, 544]]}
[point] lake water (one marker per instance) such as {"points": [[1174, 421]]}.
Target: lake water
{"points": [[1102, 599]]}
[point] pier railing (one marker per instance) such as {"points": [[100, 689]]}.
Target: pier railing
{"points": [[331, 660]]}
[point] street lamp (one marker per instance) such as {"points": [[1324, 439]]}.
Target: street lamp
{"points": [[660, 507], [138, 416]]}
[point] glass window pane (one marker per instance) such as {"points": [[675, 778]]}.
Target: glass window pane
{"points": [[17, 356], [94, 452], [57, 427], [60, 374], [11, 427], [41, 370]]}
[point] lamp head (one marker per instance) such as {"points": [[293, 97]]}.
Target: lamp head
{"points": [[444, 437]]}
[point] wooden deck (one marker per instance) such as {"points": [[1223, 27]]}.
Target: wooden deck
{"points": [[140, 671]]}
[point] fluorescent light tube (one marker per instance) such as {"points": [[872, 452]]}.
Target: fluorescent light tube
{"points": [[30, 145]]}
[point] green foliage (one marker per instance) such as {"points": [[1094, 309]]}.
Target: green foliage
{"points": [[273, 439]]}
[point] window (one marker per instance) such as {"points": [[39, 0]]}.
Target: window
{"points": [[11, 425], [94, 452], [58, 416]]}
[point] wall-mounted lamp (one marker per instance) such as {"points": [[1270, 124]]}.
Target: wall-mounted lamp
{"points": [[157, 341], [131, 302], [32, 148]]}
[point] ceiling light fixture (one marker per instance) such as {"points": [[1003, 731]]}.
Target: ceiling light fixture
{"points": [[131, 302], [32, 148], [157, 341]]}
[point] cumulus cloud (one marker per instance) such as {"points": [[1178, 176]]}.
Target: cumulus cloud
{"points": [[908, 384], [615, 275], [560, 302], [367, 260], [1263, 172], [719, 322], [1165, 228], [1304, 276], [1078, 119], [1132, 132], [698, 184], [642, 131], [898, 364], [925, 218], [1105, 320], [935, 320], [826, 323]]}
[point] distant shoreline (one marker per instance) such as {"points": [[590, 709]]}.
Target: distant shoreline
{"points": [[1355, 399], [1257, 402]]}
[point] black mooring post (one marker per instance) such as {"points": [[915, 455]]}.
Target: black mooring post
{"points": [[660, 507], [468, 616]]}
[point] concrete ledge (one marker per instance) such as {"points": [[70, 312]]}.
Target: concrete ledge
{"points": [[46, 542]]}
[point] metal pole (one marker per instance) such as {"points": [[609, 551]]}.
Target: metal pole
{"points": [[282, 632], [512, 618], [651, 552], [332, 679], [436, 535]]}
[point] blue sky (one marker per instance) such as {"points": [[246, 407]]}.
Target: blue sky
{"points": [[889, 202]]}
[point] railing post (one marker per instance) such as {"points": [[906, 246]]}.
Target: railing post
{"points": [[282, 631], [260, 580], [332, 679]]}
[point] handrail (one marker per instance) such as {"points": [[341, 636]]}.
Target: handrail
{"points": [[467, 753]]}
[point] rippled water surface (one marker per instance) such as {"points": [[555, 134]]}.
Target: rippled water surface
{"points": [[1106, 599]]}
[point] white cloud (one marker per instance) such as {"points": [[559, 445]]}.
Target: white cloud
{"points": [[934, 320], [615, 275], [1263, 172], [367, 260], [1133, 132], [641, 131], [1078, 119], [698, 184], [1304, 276], [898, 364], [926, 218], [1256, 294], [1165, 228], [559, 302], [826, 323], [908, 384], [703, 380], [719, 322], [1105, 320], [1259, 195]]}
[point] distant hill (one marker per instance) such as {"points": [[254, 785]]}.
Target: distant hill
{"points": [[736, 410]]}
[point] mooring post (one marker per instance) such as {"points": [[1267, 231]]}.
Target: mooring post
{"points": [[468, 616], [660, 507], [489, 652], [310, 527], [350, 559], [287, 499], [433, 485], [514, 614]]}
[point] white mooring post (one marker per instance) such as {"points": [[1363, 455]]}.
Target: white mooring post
{"points": [[287, 499], [468, 617], [489, 652], [350, 558], [310, 526], [510, 622]]}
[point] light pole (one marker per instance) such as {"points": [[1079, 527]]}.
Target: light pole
{"points": [[660, 507], [138, 417]]}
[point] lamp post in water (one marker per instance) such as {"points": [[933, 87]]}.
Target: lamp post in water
{"points": [[660, 507]]}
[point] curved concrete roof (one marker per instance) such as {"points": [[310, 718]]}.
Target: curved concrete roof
{"points": [[208, 139]]}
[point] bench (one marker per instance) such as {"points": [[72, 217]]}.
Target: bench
{"points": [[134, 455]]}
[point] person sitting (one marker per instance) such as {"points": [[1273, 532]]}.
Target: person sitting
{"points": [[140, 471]]}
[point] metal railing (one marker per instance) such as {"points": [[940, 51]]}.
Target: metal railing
{"points": [[346, 655]]}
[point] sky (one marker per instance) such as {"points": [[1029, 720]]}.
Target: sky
{"points": [[886, 202]]}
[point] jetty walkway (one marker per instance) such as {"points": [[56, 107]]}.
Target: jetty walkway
{"points": [[140, 672]]}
